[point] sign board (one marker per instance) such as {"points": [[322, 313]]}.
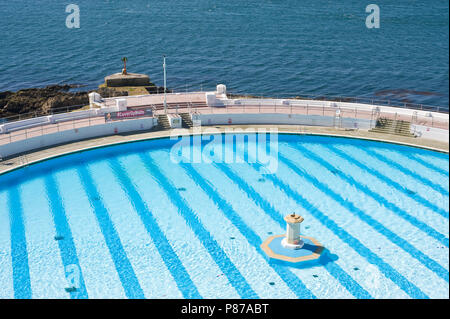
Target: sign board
{"points": [[116, 116], [175, 122]]}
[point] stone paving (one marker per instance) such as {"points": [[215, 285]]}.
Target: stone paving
{"points": [[42, 154]]}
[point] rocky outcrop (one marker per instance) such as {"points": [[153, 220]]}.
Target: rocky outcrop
{"points": [[56, 98], [110, 92], [41, 101]]}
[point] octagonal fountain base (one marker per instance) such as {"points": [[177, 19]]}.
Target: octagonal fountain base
{"points": [[308, 255]]}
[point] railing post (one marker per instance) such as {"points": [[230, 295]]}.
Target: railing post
{"points": [[371, 119]]}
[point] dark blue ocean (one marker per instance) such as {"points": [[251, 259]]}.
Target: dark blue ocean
{"points": [[289, 47]]}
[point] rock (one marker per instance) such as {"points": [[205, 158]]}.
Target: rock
{"points": [[40, 100], [43, 101], [60, 101], [110, 92]]}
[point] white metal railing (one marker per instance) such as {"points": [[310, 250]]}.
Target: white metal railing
{"points": [[336, 98], [191, 89], [318, 108]]}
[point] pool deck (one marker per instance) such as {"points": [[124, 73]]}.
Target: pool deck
{"points": [[54, 151]]}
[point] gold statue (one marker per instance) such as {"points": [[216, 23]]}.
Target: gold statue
{"points": [[124, 70]]}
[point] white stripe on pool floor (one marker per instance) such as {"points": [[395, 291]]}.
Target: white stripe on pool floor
{"points": [[47, 273], [348, 257], [154, 278], [99, 273], [416, 236], [409, 267], [181, 237], [432, 196], [414, 166], [6, 273], [401, 200], [440, 163], [261, 224], [253, 267]]}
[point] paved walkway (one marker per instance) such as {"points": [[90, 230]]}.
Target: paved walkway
{"points": [[248, 109], [42, 154]]}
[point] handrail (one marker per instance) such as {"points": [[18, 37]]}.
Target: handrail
{"points": [[247, 107], [348, 99], [235, 94], [30, 115]]}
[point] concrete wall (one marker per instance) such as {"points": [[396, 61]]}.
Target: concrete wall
{"points": [[288, 119], [131, 79], [430, 133], [72, 116], [72, 135], [24, 124], [348, 105], [205, 119], [56, 118]]}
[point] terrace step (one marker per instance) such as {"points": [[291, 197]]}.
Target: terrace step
{"points": [[163, 122], [396, 127], [186, 120]]}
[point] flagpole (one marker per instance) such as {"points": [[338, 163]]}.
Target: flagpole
{"points": [[165, 88]]}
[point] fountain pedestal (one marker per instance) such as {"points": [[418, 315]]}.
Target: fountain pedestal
{"points": [[293, 248], [293, 239]]}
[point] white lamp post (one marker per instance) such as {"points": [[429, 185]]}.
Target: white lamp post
{"points": [[293, 239], [165, 97]]}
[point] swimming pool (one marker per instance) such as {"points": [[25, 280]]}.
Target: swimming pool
{"points": [[129, 221]]}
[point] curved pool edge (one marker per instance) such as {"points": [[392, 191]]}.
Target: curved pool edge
{"points": [[167, 134]]}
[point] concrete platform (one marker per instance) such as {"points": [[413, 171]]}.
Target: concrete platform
{"points": [[130, 79], [308, 255]]}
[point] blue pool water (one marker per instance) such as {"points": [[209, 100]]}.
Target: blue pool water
{"points": [[130, 222], [318, 47]]}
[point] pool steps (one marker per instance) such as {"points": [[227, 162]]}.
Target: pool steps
{"points": [[389, 126]]}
